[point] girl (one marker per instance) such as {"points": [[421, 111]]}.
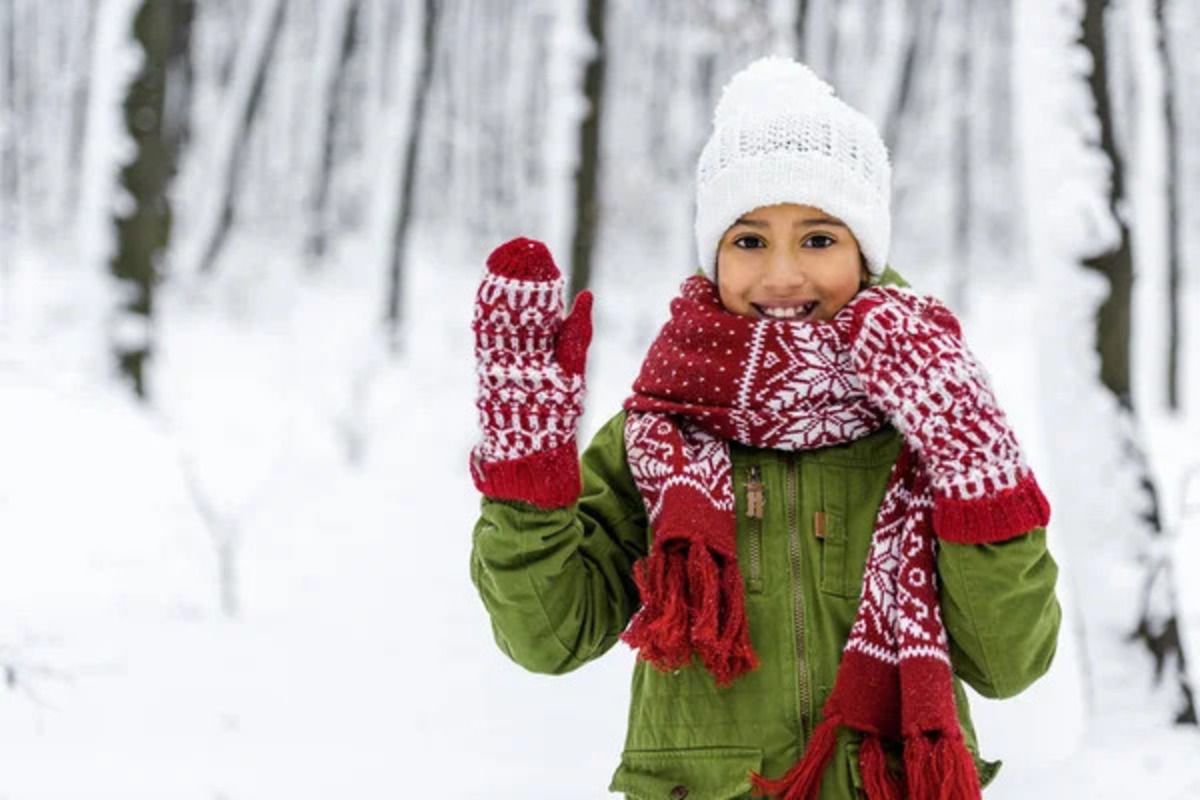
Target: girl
{"points": [[810, 518]]}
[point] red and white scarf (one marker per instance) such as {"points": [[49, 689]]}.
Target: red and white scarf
{"points": [[891, 356]]}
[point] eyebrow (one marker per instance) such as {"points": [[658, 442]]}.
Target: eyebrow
{"points": [[811, 222]]}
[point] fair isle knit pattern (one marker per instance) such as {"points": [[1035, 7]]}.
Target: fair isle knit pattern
{"points": [[887, 356], [527, 399], [909, 352], [956, 396], [707, 470], [896, 617], [530, 370]]}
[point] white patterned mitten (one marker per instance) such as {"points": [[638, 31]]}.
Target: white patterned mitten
{"points": [[530, 362]]}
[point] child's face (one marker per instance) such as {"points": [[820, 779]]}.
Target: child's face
{"points": [[788, 261]]}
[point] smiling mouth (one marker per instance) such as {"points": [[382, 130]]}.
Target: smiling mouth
{"points": [[791, 313]]}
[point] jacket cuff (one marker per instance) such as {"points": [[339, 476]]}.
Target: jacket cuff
{"points": [[548, 480]]}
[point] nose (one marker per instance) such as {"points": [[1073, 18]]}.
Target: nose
{"points": [[784, 273]]}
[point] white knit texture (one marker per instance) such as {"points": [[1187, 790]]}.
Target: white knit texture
{"points": [[781, 136]]}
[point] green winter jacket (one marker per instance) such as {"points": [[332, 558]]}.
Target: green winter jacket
{"points": [[559, 589]]}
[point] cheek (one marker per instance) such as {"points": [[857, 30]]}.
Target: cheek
{"points": [[729, 297], [734, 282], [733, 274], [843, 284]]}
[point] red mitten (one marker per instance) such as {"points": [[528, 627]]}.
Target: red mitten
{"points": [[530, 360], [909, 352]]}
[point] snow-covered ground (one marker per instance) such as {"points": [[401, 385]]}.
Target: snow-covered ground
{"points": [[360, 663], [257, 586]]}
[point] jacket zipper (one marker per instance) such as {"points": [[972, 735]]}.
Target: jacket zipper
{"points": [[755, 505], [802, 696]]}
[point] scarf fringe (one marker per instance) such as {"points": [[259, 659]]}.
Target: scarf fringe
{"points": [[659, 631], [938, 768], [941, 770], [731, 654], [691, 604], [803, 780], [879, 782]]}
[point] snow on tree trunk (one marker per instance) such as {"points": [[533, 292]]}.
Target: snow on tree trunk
{"points": [[408, 148], [965, 53], [115, 60], [587, 194], [1103, 504], [336, 42], [1174, 198], [8, 138], [218, 160], [571, 50], [144, 228]]}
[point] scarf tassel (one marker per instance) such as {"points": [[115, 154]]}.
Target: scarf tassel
{"points": [[659, 630], [803, 780], [941, 770], [691, 603], [879, 782], [934, 770], [734, 654]]}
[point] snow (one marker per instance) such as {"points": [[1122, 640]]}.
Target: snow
{"points": [[107, 147], [256, 585], [360, 660]]}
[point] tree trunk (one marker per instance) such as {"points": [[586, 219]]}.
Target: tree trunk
{"points": [[833, 37], [143, 234], [80, 88], [1158, 626], [230, 134], [913, 48], [9, 156], [408, 181], [1174, 200], [963, 211], [178, 99], [1115, 264], [586, 181], [801, 28], [907, 117], [315, 234]]}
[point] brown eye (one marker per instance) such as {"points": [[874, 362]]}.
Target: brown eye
{"points": [[749, 242], [820, 237]]}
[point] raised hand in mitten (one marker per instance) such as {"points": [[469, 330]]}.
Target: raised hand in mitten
{"points": [[530, 361], [909, 352]]}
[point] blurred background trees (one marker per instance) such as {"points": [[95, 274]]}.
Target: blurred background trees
{"points": [[256, 215]]}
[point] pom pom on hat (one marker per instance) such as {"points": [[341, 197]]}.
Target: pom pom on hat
{"points": [[781, 135], [769, 81]]}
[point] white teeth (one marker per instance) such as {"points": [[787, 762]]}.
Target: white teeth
{"points": [[789, 313]]}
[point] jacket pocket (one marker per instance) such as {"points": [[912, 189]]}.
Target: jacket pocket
{"points": [[844, 526], [699, 773], [892, 754], [895, 760]]}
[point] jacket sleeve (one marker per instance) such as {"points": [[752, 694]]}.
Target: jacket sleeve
{"points": [[1000, 611], [558, 583]]}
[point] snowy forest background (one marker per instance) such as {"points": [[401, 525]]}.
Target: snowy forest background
{"points": [[238, 247]]}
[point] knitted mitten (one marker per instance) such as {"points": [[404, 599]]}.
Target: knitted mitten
{"points": [[909, 352], [530, 361]]}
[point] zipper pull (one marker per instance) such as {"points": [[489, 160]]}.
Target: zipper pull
{"points": [[754, 494]]}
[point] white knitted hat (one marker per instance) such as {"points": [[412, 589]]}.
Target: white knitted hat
{"points": [[781, 136]]}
